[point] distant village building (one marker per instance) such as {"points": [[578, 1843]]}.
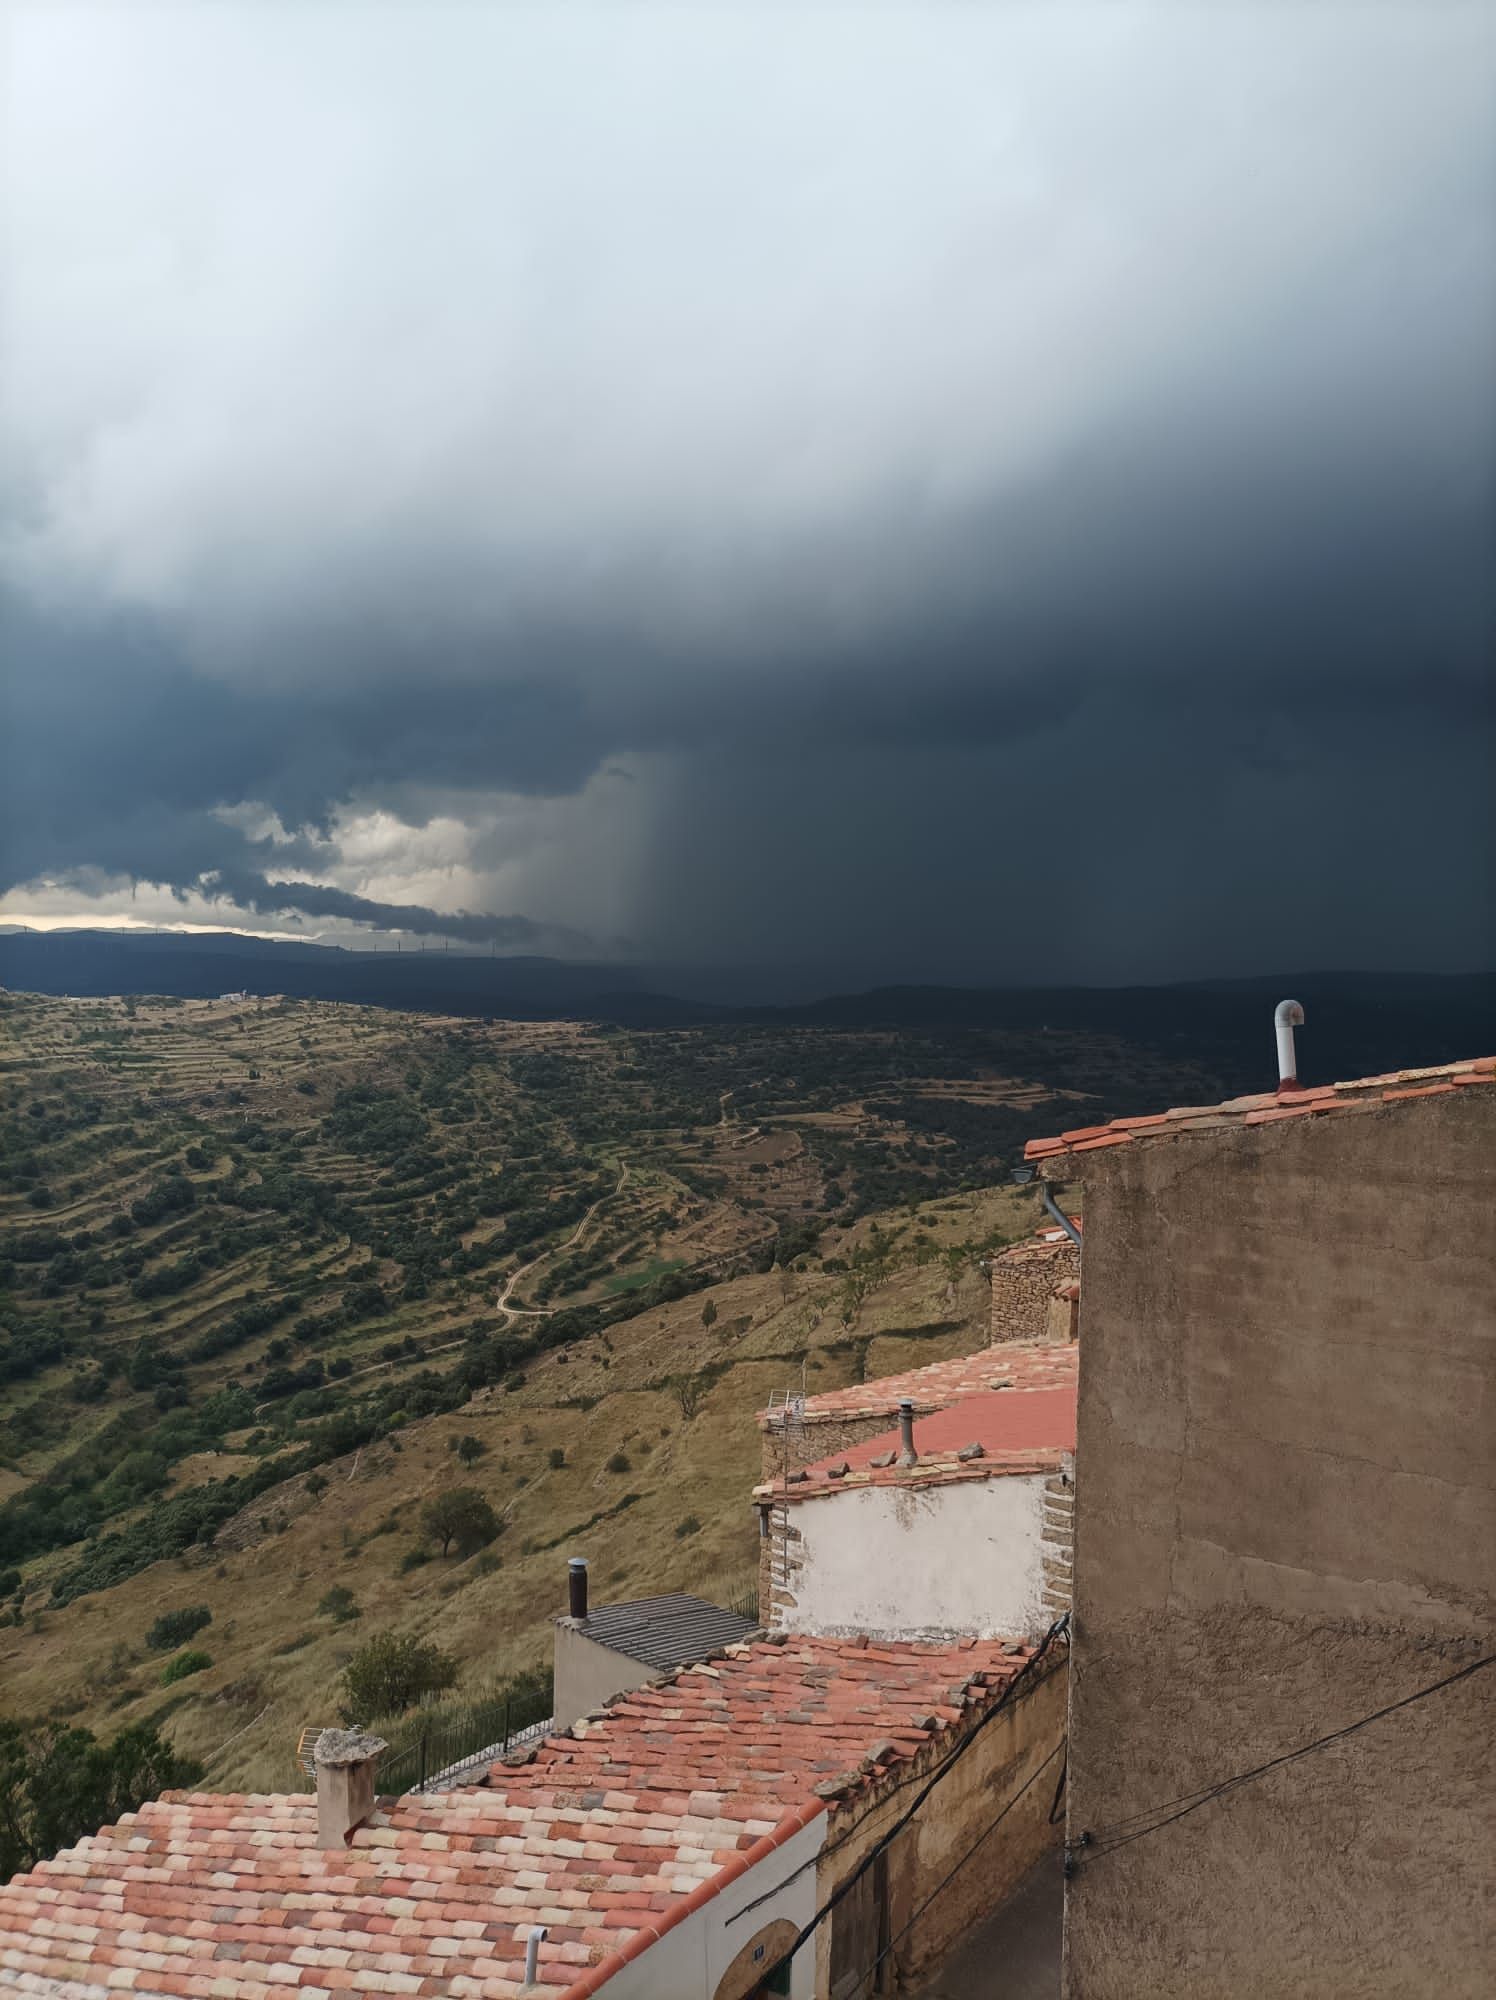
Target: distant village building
{"points": [[604, 1650], [954, 1521], [1036, 1288], [1280, 1720]]}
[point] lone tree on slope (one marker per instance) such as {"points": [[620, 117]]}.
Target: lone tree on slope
{"points": [[460, 1515]]}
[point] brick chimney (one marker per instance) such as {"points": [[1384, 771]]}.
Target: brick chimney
{"points": [[346, 1761]]}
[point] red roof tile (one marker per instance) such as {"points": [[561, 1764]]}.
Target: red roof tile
{"points": [[1016, 1433], [1268, 1107], [608, 1838], [1011, 1365]]}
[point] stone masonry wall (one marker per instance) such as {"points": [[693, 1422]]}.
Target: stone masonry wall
{"points": [[1059, 1538], [780, 1556], [818, 1438], [1023, 1280]]}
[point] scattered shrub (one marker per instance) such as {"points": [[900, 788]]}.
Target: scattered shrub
{"points": [[339, 1605], [175, 1628], [390, 1674], [619, 1462], [557, 1457], [690, 1526], [190, 1662]]}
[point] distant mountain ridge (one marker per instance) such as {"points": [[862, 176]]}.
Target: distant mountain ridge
{"points": [[1359, 1022]]}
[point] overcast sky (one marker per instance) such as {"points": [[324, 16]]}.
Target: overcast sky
{"points": [[954, 489]]}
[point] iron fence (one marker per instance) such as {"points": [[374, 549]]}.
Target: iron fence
{"points": [[438, 1750]]}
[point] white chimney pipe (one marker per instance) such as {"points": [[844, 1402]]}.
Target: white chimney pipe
{"points": [[1287, 1016], [532, 1953]]}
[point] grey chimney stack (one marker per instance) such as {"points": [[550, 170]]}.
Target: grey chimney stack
{"points": [[346, 1760], [907, 1454], [576, 1585]]}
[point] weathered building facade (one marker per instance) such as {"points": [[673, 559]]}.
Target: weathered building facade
{"points": [[1285, 1527], [968, 1531]]}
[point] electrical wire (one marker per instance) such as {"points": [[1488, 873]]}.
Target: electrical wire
{"points": [[1095, 1843], [950, 1876], [852, 1833], [844, 1889]]}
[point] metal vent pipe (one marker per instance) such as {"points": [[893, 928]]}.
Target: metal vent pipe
{"points": [[1287, 1016], [532, 1947], [576, 1586], [907, 1454]]}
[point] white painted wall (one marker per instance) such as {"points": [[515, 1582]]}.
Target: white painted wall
{"points": [[906, 1560], [688, 1962]]}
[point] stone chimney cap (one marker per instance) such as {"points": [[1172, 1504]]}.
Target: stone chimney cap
{"points": [[337, 1748]]}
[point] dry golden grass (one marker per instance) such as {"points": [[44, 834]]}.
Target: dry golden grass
{"points": [[243, 1715]]}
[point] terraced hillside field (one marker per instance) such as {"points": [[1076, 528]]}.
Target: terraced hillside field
{"points": [[264, 1266]]}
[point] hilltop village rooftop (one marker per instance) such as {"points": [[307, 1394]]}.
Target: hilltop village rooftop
{"points": [[838, 1419], [612, 1838], [978, 1436], [1057, 1156]]}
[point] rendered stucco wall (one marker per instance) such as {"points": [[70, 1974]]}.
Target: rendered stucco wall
{"points": [[906, 1560], [587, 1675], [1286, 1522]]}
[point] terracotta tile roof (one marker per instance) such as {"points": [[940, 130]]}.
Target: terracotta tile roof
{"points": [[1015, 1433], [1014, 1365], [608, 1838], [209, 1894], [1365, 1093], [762, 1726]]}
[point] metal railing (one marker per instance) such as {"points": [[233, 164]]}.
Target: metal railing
{"points": [[444, 1750]]}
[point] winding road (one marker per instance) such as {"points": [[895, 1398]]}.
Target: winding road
{"points": [[556, 1250]]}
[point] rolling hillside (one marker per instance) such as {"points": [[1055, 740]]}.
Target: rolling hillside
{"points": [[264, 1265]]}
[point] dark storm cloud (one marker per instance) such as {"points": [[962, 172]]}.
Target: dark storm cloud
{"points": [[248, 891], [1059, 448]]}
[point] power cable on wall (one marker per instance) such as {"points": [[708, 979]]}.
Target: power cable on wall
{"points": [[1094, 1843], [942, 1770], [855, 1832], [950, 1876]]}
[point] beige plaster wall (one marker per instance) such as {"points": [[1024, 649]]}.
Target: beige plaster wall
{"points": [[1286, 1522], [587, 1675]]}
